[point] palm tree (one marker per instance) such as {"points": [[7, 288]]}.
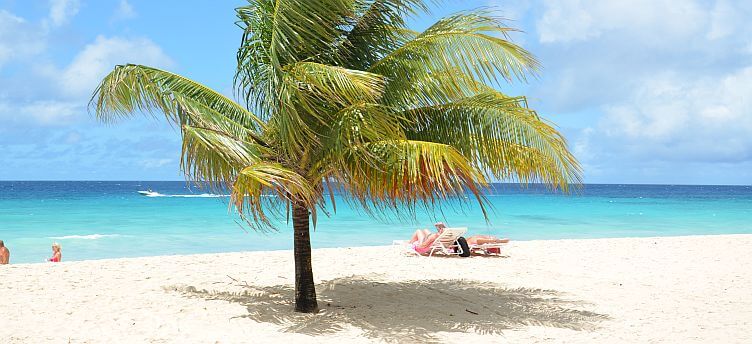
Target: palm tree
{"points": [[341, 94]]}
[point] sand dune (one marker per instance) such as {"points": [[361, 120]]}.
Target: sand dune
{"points": [[672, 290]]}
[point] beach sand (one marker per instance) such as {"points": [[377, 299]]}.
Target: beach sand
{"points": [[631, 290]]}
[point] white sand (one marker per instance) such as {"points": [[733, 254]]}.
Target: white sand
{"points": [[650, 290]]}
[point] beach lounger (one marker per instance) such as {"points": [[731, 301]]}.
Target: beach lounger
{"points": [[488, 249], [445, 243]]}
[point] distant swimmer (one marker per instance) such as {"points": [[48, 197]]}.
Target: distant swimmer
{"points": [[4, 254], [57, 256]]}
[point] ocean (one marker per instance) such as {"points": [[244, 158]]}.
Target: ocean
{"points": [[95, 220]]}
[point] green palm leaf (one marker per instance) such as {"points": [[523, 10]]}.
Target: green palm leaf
{"points": [[433, 88], [255, 184], [377, 28], [336, 85], [200, 161], [129, 89], [407, 173], [490, 129], [474, 42]]}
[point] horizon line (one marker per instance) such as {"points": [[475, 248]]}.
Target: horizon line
{"points": [[510, 183]]}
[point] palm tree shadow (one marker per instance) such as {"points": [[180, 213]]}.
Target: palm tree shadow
{"points": [[410, 310]]}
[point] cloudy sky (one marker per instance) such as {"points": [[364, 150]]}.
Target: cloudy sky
{"points": [[646, 91]]}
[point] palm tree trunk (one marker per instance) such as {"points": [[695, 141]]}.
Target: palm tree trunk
{"points": [[305, 290]]}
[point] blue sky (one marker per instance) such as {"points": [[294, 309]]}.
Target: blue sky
{"points": [[646, 91]]}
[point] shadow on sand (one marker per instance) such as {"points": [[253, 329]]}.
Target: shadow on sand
{"points": [[410, 310]]}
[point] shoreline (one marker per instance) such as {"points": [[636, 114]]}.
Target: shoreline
{"points": [[650, 289], [369, 246]]}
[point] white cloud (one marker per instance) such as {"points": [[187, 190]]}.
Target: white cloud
{"points": [[723, 19], [511, 9], [155, 163], [41, 92], [604, 50], [61, 11], [585, 147], [72, 138], [124, 10], [52, 112], [655, 86], [691, 119], [60, 96], [579, 20], [48, 112], [18, 38], [579, 23], [98, 58], [581, 147]]}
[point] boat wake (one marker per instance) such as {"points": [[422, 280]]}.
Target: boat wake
{"points": [[203, 195]]}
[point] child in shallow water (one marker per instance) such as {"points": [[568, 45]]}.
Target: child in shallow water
{"points": [[57, 256], [4, 254]]}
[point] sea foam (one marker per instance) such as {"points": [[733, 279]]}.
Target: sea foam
{"points": [[203, 195]]}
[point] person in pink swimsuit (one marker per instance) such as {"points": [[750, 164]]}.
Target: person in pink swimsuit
{"points": [[422, 239], [57, 255]]}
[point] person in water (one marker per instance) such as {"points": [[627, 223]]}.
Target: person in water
{"points": [[57, 256], [4, 254]]}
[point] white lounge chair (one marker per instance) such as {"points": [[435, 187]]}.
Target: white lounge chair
{"points": [[445, 243]]}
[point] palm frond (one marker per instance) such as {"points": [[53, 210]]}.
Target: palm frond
{"points": [[475, 42], [363, 123], [496, 133], [281, 32], [214, 158], [332, 84], [531, 165], [377, 28], [408, 173], [427, 89], [262, 184], [130, 89], [297, 30], [200, 115], [310, 93], [352, 128]]}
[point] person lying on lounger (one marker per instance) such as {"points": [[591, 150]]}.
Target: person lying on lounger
{"points": [[423, 238], [485, 239]]}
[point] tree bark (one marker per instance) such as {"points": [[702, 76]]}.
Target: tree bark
{"points": [[305, 290]]}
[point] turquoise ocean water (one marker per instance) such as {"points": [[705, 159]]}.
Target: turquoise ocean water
{"points": [[94, 220]]}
